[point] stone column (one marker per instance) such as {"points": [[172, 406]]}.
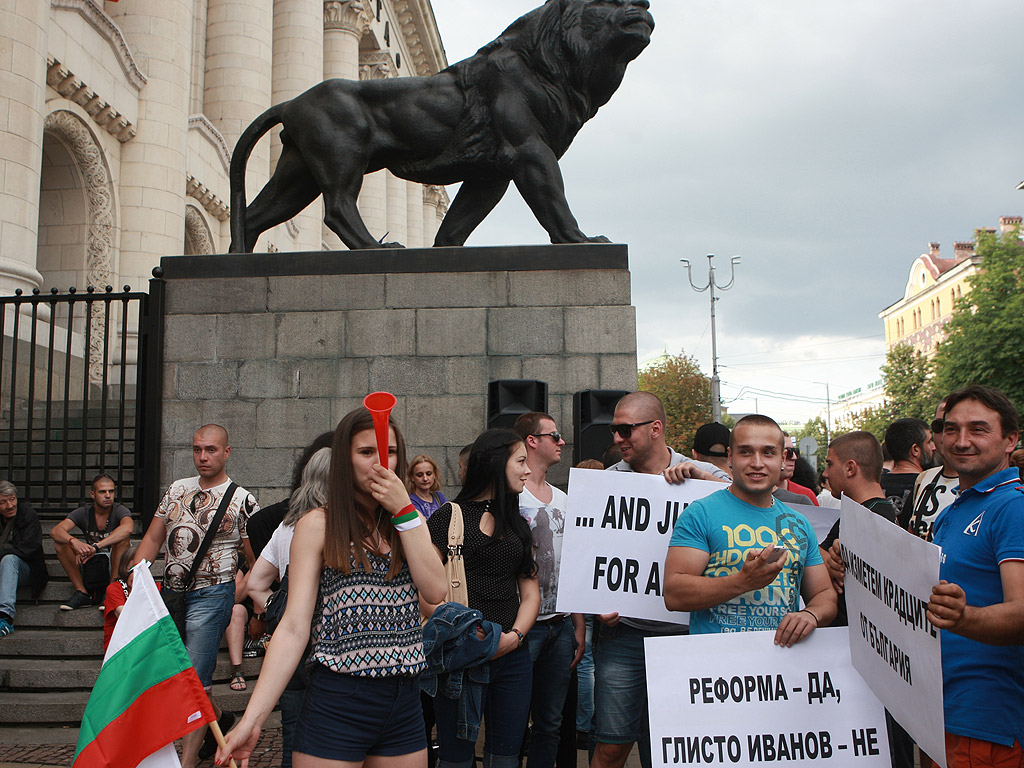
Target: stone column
{"points": [[22, 83], [344, 22], [398, 210], [414, 198], [298, 65], [435, 206], [152, 188], [373, 196], [239, 39]]}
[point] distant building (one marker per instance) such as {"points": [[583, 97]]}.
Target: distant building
{"points": [[858, 399], [934, 285]]}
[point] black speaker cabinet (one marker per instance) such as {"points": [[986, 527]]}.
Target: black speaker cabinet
{"points": [[508, 399], [592, 411]]}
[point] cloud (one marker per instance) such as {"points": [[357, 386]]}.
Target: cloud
{"points": [[827, 143]]}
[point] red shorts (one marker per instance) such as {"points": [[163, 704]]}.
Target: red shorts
{"points": [[965, 752]]}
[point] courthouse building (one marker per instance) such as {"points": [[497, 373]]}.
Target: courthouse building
{"points": [[934, 285], [117, 121]]}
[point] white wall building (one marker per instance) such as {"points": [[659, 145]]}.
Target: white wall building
{"points": [[117, 120]]}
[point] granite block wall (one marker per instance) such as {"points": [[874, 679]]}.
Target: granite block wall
{"points": [[278, 347]]}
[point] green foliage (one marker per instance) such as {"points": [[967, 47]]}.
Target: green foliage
{"points": [[686, 393], [984, 341], [908, 390]]}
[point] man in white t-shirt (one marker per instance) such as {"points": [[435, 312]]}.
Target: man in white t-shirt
{"points": [[182, 519], [556, 641]]}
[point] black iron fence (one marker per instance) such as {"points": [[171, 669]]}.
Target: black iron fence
{"points": [[79, 394]]}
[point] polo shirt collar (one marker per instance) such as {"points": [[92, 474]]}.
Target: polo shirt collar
{"points": [[993, 481]]}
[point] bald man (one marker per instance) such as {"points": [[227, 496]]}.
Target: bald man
{"points": [[181, 521]]}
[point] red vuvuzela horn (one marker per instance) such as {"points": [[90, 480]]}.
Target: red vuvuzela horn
{"points": [[379, 404]]}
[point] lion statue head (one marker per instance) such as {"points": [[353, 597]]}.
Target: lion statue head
{"points": [[582, 44]]}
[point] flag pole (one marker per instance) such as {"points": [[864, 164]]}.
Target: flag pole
{"points": [[218, 734]]}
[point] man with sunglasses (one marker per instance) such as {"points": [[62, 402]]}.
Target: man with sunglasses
{"points": [[934, 489], [620, 687], [787, 488], [556, 641]]}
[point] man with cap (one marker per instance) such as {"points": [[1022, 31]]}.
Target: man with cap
{"points": [[711, 444]]}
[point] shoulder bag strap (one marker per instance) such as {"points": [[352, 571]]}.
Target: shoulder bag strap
{"points": [[225, 502]]}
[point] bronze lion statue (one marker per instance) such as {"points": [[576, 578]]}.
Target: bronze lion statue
{"points": [[506, 114]]}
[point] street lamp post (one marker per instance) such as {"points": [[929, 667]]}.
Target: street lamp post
{"points": [[716, 391]]}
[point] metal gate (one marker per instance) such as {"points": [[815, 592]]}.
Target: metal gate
{"points": [[80, 394]]}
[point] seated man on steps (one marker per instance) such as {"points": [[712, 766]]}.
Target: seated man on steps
{"points": [[21, 553], [106, 527]]}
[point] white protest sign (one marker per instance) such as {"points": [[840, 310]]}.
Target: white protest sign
{"points": [[617, 529], [738, 699], [889, 578]]}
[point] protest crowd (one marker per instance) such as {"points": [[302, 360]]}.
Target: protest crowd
{"points": [[400, 626]]}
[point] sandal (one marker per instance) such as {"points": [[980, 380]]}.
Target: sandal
{"points": [[237, 683]]}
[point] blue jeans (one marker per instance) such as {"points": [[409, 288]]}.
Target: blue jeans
{"points": [[14, 573], [552, 647], [620, 688], [506, 703], [585, 674], [207, 613]]}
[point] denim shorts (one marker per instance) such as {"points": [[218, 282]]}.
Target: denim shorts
{"points": [[207, 613], [620, 685], [347, 717]]}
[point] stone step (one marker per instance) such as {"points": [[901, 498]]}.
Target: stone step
{"points": [[80, 674], [66, 707], [53, 644], [50, 616]]}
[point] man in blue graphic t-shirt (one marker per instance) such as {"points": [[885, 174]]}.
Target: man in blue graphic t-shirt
{"points": [[739, 559]]}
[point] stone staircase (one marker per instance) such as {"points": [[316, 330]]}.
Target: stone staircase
{"points": [[49, 664]]}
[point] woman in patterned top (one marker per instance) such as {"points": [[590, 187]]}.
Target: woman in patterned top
{"points": [[355, 569], [501, 581]]}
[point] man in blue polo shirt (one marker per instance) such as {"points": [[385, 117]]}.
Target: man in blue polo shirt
{"points": [[979, 602]]}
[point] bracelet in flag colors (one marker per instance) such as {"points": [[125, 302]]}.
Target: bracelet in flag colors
{"points": [[407, 519]]}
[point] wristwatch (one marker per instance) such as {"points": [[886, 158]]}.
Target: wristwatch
{"points": [[520, 635]]}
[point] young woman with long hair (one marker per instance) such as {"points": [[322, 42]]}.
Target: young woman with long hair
{"points": [[356, 566], [501, 579]]}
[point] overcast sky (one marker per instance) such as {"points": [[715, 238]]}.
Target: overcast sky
{"points": [[825, 142]]}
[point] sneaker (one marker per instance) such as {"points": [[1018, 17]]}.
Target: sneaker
{"points": [[209, 746], [5, 627], [78, 600]]}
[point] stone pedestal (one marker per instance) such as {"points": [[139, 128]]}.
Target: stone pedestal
{"points": [[278, 347]]}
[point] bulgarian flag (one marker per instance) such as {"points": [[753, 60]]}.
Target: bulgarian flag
{"points": [[147, 693]]}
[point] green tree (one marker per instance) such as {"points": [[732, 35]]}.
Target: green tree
{"points": [[908, 390], [984, 341], [908, 393], [686, 393]]}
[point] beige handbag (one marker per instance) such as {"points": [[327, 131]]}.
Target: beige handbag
{"points": [[455, 568]]}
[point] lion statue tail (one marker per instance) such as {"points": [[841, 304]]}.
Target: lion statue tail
{"points": [[236, 173]]}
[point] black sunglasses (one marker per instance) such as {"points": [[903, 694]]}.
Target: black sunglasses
{"points": [[938, 425], [625, 430], [792, 453], [556, 436]]}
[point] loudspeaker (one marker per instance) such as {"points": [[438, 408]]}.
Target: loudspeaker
{"points": [[508, 399], [592, 412]]}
